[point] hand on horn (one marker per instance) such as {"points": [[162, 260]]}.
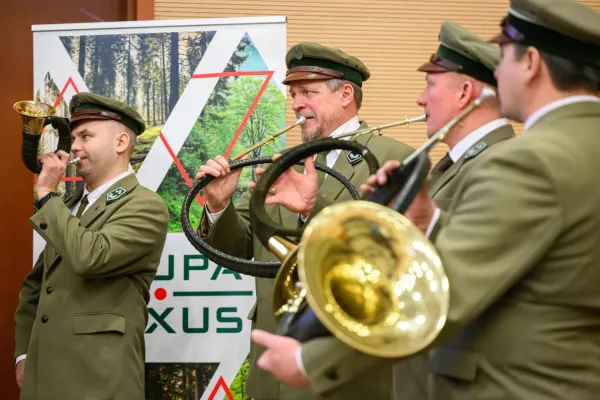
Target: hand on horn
{"points": [[279, 358], [421, 210], [219, 191], [295, 191], [54, 166]]}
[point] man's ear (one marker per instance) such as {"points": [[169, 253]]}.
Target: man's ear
{"points": [[347, 94], [123, 140], [533, 63], [467, 94]]}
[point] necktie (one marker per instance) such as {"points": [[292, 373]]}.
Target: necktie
{"points": [[321, 159], [82, 206], [441, 167]]}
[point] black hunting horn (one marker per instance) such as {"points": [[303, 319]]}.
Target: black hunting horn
{"points": [[265, 269], [253, 268], [35, 116], [361, 270]]}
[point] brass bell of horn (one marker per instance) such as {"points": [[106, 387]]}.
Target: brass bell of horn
{"points": [[373, 279], [35, 115]]}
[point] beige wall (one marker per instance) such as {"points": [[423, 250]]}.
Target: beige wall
{"points": [[392, 37]]}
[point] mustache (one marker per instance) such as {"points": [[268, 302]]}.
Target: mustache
{"points": [[305, 115]]}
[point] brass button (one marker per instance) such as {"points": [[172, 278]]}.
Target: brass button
{"points": [[49, 289], [43, 225], [44, 319]]}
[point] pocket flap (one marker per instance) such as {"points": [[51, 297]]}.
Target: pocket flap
{"points": [[98, 322], [454, 363]]}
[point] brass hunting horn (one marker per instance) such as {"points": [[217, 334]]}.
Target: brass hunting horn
{"points": [[361, 270], [35, 115]]}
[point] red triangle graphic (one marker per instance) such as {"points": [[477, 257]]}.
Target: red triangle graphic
{"points": [[221, 384], [269, 75]]}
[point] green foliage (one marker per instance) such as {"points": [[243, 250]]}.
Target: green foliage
{"points": [[143, 144], [213, 132], [237, 386]]}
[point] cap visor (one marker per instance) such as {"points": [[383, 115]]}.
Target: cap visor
{"points": [[304, 76], [431, 67], [89, 116], [501, 39]]}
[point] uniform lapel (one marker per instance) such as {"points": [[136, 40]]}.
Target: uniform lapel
{"points": [[446, 176], [113, 194], [331, 187], [290, 219], [93, 212], [495, 136]]}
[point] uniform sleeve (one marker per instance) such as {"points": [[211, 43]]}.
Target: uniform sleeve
{"points": [[231, 233], [131, 233]]}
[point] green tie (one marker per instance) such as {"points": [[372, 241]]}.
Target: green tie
{"points": [[82, 206], [321, 159]]}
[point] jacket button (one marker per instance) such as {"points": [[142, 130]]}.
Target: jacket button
{"points": [[44, 319], [49, 290], [43, 225]]}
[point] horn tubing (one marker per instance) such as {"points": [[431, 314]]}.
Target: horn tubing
{"points": [[262, 224], [299, 121], [405, 121], [30, 144], [259, 269]]}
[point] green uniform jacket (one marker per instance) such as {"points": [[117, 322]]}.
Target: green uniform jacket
{"points": [[411, 376], [83, 307], [233, 235], [521, 248]]}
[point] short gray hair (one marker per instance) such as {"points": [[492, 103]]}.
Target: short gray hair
{"points": [[336, 83]]}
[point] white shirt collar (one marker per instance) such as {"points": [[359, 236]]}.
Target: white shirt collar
{"points": [[349, 126], [468, 141], [536, 116], [96, 193]]}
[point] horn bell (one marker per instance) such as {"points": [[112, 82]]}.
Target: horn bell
{"points": [[373, 279], [33, 115]]}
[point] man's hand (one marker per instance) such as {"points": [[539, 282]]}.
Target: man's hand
{"points": [[295, 191], [54, 166], [421, 209], [19, 369], [280, 358], [379, 178], [219, 190]]}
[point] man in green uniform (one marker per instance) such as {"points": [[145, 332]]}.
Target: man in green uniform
{"points": [[326, 87], [79, 325], [455, 75], [520, 242]]}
